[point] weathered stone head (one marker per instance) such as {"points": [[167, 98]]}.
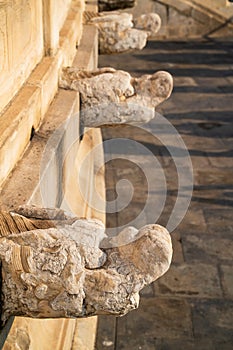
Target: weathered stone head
{"points": [[149, 22], [111, 97], [61, 271]]}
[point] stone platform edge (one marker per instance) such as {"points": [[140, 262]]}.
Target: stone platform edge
{"points": [[19, 182]]}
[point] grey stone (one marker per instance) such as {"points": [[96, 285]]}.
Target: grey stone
{"points": [[55, 268]]}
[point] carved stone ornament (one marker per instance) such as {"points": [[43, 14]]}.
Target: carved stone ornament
{"points": [[54, 265], [119, 32], [110, 96], [110, 5]]}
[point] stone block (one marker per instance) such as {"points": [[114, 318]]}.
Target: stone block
{"points": [[84, 335], [21, 43], [23, 178], [71, 32], [208, 249], [45, 76], [178, 257], [88, 50], [213, 320], [26, 334], [199, 280], [156, 318], [16, 128], [227, 280], [54, 15], [106, 333], [219, 220]]}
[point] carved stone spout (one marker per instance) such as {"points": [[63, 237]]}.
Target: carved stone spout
{"points": [[110, 5], [110, 96], [118, 32], [72, 269]]}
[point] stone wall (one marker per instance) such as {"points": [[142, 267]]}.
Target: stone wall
{"points": [[33, 111], [21, 44], [30, 79]]}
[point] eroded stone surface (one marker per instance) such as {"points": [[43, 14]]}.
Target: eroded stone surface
{"points": [[110, 96], [61, 271], [119, 32]]}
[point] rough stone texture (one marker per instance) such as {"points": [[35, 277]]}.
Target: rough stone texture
{"points": [[110, 96], [110, 5], [118, 32], [54, 15], [62, 272], [201, 110], [21, 43], [27, 110]]}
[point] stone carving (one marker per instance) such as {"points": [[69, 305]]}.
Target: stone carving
{"points": [[68, 267], [110, 96], [110, 5], [118, 32]]}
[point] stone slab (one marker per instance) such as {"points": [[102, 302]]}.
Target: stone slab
{"points": [[227, 280], [17, 124], [21, 43], [210, 249], [191, 280], [54, 15], [155, 318], [213, 320], [106, 340]]}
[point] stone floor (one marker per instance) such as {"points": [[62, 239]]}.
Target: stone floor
{"points": [[191, 307]]}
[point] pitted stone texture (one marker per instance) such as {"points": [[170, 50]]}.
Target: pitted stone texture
{"points": [[118, 32], [61, 271], [110, 96]]}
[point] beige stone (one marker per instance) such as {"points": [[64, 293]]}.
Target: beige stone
{"points": [[21, 43], [110, 96], [54, 15], [118, 32], [60, 271], [16, 127], [28, 108], [49, 333]]}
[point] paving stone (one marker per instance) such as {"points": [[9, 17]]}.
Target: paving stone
{"points": [[227, 280], [219, 221], [215, 176], [184, 344], [178, 256], [147, 291], [156, 318], [191, 280], [193, 222], [106, 338], [213, 320], [200, 108], [207, 249], [222, 161]]}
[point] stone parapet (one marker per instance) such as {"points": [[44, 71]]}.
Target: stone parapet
{"points": [[26, 111], [28, 124]]}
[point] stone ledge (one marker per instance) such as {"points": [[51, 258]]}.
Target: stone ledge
{"points": [[86, 58], [23, 178], [26, 111]]}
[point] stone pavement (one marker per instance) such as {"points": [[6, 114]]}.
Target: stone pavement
{"points": [[191, 307]]}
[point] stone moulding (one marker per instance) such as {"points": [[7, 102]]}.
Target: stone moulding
{"points": [[119, 32], [110, 96], [68, 267]]}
